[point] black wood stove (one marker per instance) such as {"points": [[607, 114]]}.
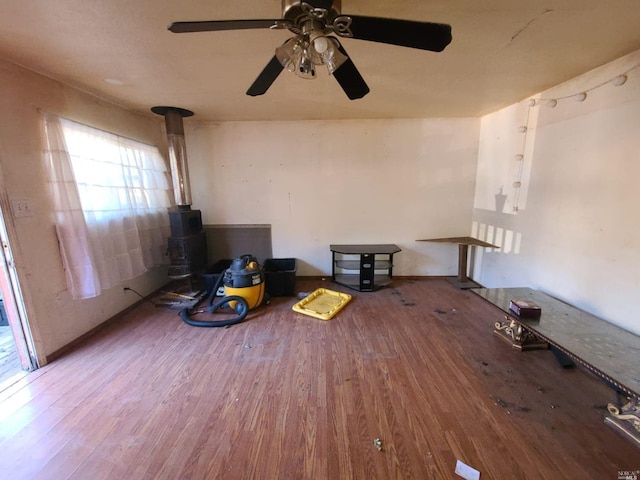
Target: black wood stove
{"points": [[187, 246]]}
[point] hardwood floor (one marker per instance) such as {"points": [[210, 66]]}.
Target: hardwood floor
{"points": [[286, 396]]}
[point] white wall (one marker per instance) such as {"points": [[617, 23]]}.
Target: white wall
{"points": [[576, 234], [320, 183], [54, 317], [316, 183]]}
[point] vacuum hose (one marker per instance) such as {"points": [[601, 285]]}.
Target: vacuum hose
{"points": [[241, 308]]}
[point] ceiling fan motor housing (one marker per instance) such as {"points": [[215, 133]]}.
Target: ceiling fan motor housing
{"points": [[302, 14]]}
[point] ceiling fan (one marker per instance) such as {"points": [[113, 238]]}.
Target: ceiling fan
{"points": [[313, 22]]}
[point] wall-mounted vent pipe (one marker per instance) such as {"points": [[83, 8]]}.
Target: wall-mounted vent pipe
{"points": [[177, 153]]}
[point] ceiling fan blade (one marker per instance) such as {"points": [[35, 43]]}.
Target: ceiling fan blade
{"points": [[266, 78], [349, 78], [217, 25], [406, 33]]}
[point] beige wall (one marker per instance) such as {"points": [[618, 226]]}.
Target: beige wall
{"points": [[318, 183], [54, 317], [576, 234], [387, 181]]}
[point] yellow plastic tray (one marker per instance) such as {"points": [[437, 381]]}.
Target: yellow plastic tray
{"points": [[322, 303]]}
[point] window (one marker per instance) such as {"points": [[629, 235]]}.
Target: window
{"points": [[111, 196]]}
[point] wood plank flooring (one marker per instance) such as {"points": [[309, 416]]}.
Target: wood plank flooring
{"points": [[286, 396]]}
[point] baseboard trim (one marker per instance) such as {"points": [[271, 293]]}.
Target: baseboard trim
{"points": [[111, 320]]}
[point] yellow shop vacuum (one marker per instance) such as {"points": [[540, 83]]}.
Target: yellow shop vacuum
{"points": [[245, 278], [244, 290]]}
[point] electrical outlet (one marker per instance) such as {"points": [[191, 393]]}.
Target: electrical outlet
{"points": [[22, 207]]}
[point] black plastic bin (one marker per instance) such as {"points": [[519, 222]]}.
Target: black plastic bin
{"points": [[212, 272], [280, 276]]}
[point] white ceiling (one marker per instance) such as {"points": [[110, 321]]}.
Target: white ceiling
{"points": [[502, 51]]}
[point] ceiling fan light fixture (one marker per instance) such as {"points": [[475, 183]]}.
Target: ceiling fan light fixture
{"points": [[305, 66], [332, 57], [296, 56], [320, 44], [288, 54]]}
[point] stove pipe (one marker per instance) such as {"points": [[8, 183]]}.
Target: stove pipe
{"points": [[187, 246], [177, 153]]}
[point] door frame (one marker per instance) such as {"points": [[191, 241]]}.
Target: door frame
{"points": [[14, 303]]}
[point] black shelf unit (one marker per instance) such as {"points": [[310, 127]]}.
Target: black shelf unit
{"points": [[363, 267]]}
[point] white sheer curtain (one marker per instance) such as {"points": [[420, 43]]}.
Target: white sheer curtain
{"points": [[111, 197]]}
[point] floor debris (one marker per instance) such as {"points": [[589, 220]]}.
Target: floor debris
{"points": [[465, 471], [378, 443]]}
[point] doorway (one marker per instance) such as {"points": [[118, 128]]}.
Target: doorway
{"points": [[17, 355]]}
